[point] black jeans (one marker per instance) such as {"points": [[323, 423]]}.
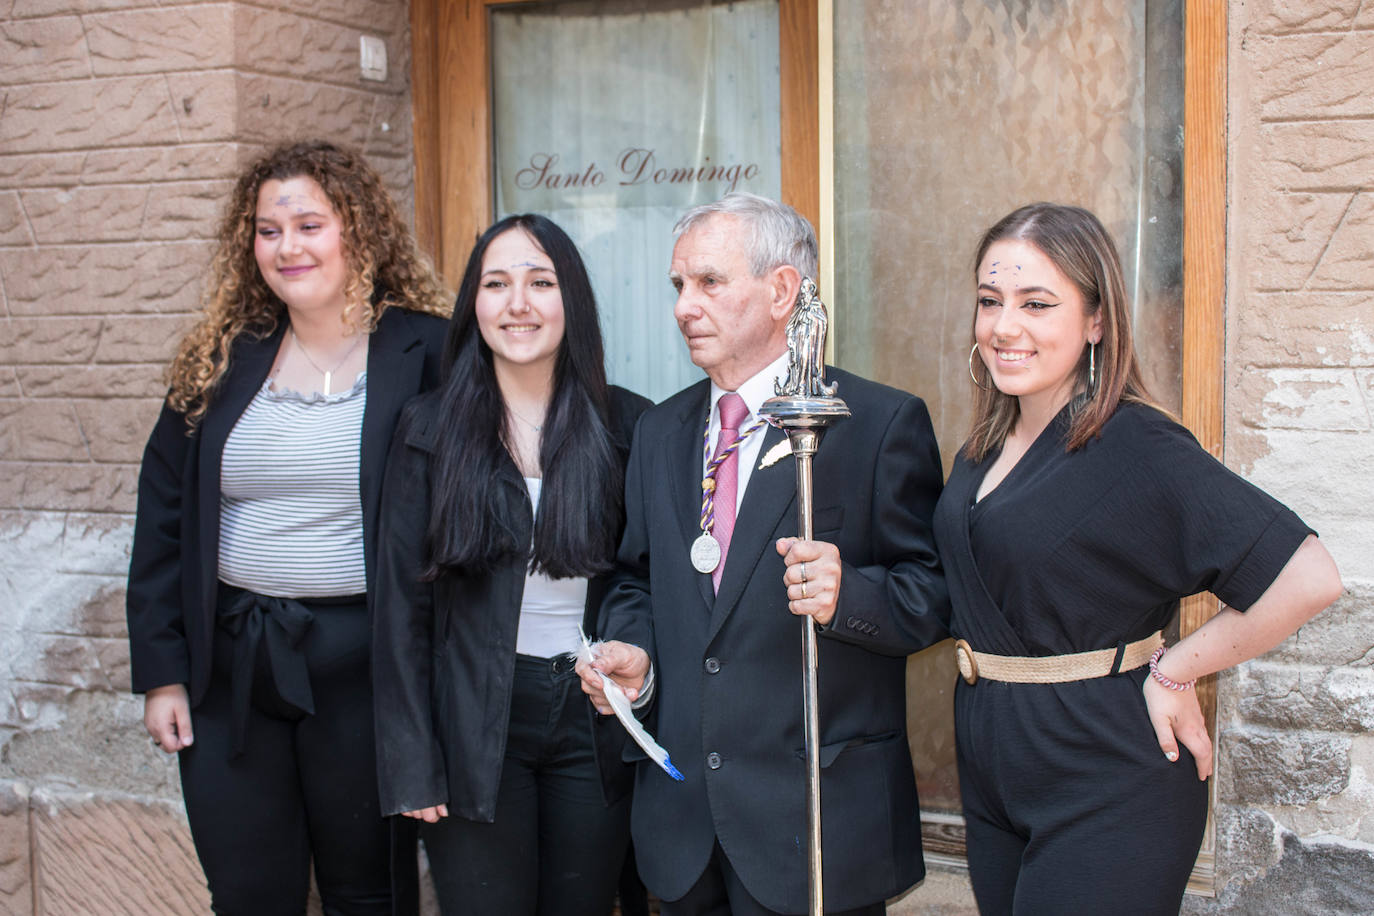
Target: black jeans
{"points": [[555, 848], [301, 790]]}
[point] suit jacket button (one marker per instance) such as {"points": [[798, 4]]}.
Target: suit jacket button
{"points": [[712, 665], [713, 760]]}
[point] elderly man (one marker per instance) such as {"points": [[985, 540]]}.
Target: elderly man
{"points": [[714, 626]]}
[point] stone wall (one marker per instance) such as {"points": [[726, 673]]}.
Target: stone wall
{"points": [[122, 125], [1295, 789]]}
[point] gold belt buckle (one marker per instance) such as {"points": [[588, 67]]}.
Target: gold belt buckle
{"points": [[968, 665]]}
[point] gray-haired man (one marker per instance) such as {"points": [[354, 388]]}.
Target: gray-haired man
{"points": [[717, 633]]}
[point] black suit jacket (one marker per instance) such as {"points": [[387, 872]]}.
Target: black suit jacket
{"points": [[443, 658], [175, 563], [728, 703]]}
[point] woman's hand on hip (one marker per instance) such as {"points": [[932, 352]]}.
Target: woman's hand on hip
{"points": [[430, 815], [1177, 719], [167, 717]]}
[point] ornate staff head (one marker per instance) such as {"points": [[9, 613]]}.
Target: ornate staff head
{"points": [[803, 398]]}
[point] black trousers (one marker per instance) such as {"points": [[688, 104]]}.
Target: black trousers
{"points": [[301, 790], [720, 892], [1069, 804], [555, 848]]}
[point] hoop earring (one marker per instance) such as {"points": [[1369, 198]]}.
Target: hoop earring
{"points": [[970, 370], [1092, 369]]}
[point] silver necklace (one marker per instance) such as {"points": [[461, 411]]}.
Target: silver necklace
{"points": [[327, 373], [536, 428]]}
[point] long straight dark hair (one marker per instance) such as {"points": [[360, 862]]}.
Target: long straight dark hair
{"points": [[581, 502]]}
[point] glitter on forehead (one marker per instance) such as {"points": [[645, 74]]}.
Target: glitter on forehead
{"points": [[300, 202]]}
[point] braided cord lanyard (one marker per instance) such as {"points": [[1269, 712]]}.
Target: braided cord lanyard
{"points": [[708, 483]]}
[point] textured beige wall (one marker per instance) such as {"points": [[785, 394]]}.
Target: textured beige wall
{"points": [[122, 125], [1296, 785]]}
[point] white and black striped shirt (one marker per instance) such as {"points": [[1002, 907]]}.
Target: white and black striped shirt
{"points": [[291, 517]]}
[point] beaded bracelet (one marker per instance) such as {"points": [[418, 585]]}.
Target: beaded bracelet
{"points": [[1163, 678]]}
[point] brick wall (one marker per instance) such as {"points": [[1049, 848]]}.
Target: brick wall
{"points": [[1295, 814], [122, 125]]}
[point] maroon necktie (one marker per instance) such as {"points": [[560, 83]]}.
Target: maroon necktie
{"points": [[733, 412]]}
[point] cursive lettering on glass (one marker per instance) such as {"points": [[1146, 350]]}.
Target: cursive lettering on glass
{"points": [[541, 173]]}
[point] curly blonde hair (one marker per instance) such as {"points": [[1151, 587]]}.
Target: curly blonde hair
{"points": [[384, 268]]}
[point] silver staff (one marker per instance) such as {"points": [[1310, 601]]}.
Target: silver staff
{"points": [[803, 408]]}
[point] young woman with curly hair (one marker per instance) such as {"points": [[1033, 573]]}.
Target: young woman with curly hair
{"points": [[255, 540]]}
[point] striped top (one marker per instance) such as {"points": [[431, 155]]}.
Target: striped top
{"points": [[291, 515]]}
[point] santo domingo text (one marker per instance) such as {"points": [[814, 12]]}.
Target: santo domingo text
{"points": [[634, 166]]}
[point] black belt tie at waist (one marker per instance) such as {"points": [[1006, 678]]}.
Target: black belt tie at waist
{"points": [[268, 667]]}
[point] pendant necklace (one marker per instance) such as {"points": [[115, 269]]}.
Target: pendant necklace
{"points": [[514, 413], [706, 550], [327, 373]]}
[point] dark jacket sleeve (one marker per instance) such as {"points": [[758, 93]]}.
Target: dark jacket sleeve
{"points": [[157, 635], [410, 762], [897, 603], [626, 612]]}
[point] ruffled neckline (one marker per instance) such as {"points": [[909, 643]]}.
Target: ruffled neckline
{"points": [[314, 397]]}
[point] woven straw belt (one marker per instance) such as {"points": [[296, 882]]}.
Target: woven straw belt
{"points": [[1054, 669]]}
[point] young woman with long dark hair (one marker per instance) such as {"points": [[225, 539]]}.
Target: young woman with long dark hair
{"points": [[503, 508], [1075, 518]]}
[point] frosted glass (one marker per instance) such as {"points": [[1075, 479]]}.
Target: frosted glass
{"points": [[612, 119]]}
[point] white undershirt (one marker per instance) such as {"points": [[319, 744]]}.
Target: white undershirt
{"points": [[755, 391], [552, 609]]}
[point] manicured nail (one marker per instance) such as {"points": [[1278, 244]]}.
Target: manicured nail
{"points": [[1171, 756]]}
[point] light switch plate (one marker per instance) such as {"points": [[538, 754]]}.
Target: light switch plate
{"points": [[372, 57]]}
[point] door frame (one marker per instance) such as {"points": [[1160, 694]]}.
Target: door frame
{"points": [[451, 98], [451, 101]]}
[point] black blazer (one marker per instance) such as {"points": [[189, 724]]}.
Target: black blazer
{"points": [[174, 568], [443, 659], [728, 704]]}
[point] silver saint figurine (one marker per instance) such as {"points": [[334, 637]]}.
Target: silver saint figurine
{"points": [[804, 407]]}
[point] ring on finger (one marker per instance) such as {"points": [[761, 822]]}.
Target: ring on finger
{"points": [[803, 585]]}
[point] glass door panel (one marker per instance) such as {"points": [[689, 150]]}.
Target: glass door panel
{"points": [[611, 118]]}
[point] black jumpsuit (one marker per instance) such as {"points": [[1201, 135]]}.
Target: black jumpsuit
{"points": [[1071, 806]]}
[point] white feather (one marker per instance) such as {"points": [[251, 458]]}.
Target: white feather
{"points": [[620, 705], [775, 454]]}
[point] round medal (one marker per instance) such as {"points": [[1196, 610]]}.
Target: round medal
{"points": [[705, 553]]}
